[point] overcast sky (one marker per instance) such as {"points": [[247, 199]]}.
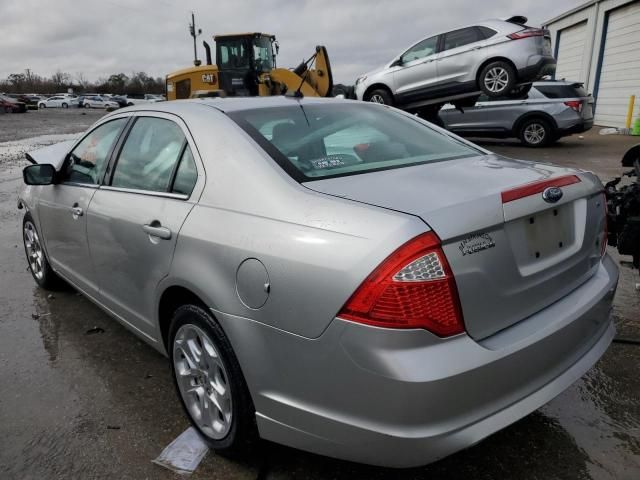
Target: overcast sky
{"points": [[100, 37]]}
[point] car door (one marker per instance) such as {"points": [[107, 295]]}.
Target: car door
{"points": [[133, 222], [461, 52], [416, 71], [62, 207], [469, 119]]}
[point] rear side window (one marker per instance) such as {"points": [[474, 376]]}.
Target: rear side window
{"points": [[562, 91], [186, 175], [459, 38], [149, 155], [317, 141], [487, 32]]}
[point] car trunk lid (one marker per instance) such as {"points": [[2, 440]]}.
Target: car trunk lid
{"points": [[511, 254]]}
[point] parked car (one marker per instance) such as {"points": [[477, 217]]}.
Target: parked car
{"points": [[408, 292], [83, 96], [548, 112], [142, 98], [31, 101], [11, 105], [120, 100], [58, 101], [493, 56], [99, 102]]}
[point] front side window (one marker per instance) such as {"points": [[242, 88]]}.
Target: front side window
{"points": [[149, 155], [321, 141], [421, 50], [87, 161], [462, 37]]}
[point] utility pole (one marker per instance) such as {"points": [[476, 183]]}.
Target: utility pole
{"points": [[194, 33]]}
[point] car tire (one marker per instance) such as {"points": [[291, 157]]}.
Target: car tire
{"points": [[64, 105], [381, 96], [8, 110], [39, 265], [536, 133], [230, 428], [497, 79], [86, 105], [42, 105]]}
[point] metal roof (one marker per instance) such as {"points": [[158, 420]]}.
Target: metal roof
{"points": [[571, 12]]}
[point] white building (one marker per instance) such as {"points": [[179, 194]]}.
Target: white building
{"points": [[598, 44]]}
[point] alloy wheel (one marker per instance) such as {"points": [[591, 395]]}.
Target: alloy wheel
{"points": [[496, 79], [534, 133], [35, 255], [376, 99], [203, 381]]}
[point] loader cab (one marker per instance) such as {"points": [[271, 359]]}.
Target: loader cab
{"points": [[241, 59]]}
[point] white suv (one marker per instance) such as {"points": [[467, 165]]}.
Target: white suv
{"points": [[494, 56]]}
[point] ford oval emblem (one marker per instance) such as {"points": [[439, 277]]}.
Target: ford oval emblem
{"points": [[552, 194]]}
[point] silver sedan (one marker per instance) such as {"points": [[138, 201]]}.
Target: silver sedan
{"points": [[336, 276]]}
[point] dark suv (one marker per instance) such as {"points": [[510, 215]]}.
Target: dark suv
{"points": [[549, 111]]}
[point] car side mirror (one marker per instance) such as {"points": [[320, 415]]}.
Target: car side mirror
{"points": [[397, 62], [39, 174]]}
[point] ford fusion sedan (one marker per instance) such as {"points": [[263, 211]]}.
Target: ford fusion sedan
{"points": [[492, 56], [337, 276]]}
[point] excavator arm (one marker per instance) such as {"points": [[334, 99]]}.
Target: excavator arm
{"points": [[312, 82]]}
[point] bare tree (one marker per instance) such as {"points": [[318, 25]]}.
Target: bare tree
{"points": [[82, 81]]}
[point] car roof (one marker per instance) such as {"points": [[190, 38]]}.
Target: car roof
{"points": [[235, 104]]}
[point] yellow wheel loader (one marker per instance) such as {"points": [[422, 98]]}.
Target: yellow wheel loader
{"points": [[246, 66]]}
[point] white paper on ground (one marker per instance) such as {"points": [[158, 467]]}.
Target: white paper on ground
{"points": [[184, 454]]}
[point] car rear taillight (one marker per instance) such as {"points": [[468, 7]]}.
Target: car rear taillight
{"points": [[575, 105], [413, 288], [526, 33]]}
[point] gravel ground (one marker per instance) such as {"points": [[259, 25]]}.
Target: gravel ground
{"points": [[74, 405]]}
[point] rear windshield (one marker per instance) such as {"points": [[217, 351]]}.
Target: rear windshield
{"points": [[322, 141], [562, 91]]}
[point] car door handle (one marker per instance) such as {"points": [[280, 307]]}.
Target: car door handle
{"points": [[157, 231], [76, 211], [477, 48]]}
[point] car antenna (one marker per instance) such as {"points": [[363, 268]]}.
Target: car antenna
{"points": [[298, 92]]}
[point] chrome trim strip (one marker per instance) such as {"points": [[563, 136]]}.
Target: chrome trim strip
{"points": [[176, 196]]}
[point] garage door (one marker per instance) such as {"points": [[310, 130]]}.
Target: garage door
{"points": [[620, 70], [571, 52]]}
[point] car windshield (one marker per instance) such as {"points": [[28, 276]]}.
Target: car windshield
{"points": [[322, 141]]}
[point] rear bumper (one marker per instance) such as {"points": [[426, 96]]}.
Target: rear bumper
{"points": [[538, 68], [578, 128], [407, 398]]}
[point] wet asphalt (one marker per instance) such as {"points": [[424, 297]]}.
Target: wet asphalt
{"points": [[82, 398]]}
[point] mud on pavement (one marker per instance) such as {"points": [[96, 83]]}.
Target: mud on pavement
{"points": [[80, 397]]}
